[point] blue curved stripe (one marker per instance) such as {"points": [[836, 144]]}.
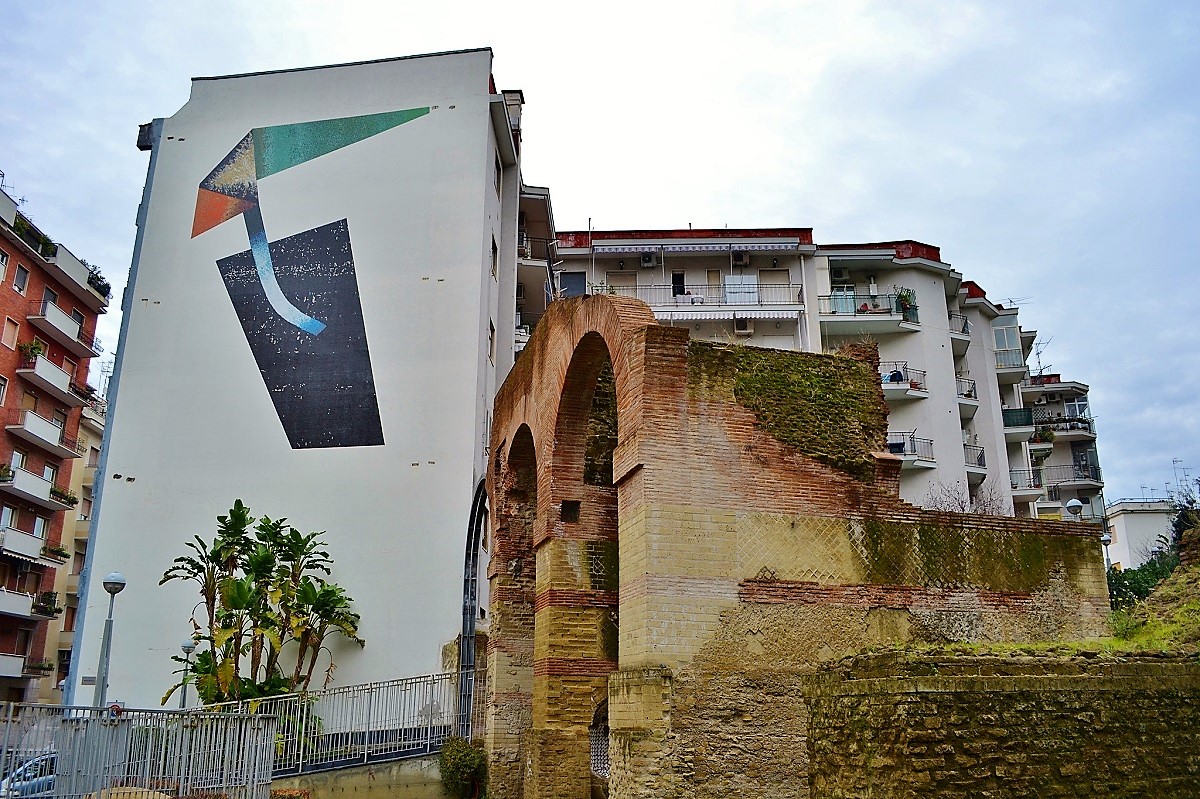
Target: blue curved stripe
{"points": [[266, 275]]}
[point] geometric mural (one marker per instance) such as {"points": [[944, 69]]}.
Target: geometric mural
{"points": [[314, 358]]}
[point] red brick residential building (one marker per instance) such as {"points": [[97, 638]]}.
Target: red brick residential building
{"points": [[49, 304]]}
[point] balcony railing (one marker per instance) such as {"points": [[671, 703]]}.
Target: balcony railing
{"points": [[905, 443], [1061, 423], [1025, 479], [974, 455], [965, 388], [1070, 473], [899, 372], [44, 433], [533, 249], [1010, 359], [1017, 417], [709, 294], [867, 305], [960, 324]]}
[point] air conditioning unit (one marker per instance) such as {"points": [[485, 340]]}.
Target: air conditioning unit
{"points": [[743, 327], [1051, 397], [839, 275], [1040, 401], [741, 258], [648, 261]]}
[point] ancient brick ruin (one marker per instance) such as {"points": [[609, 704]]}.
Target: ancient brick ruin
{"points": [[750, 531]]}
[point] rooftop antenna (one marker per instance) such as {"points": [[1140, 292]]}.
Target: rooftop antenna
{"points": [[1038, 346]]}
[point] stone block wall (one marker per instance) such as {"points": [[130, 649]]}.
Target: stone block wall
{"points": [[950, 726]]}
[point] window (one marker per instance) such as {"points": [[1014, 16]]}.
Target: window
{"points": [[24, 639], [4, 261], [495, 259], [69, 618], [77, 562], [9, 337], [9, 516], [3, 389], [499, 175], [85, 508], [1077, 407], [77, 315], [18, 459], [93, 457], [41, 526], [60, 420], [42, 341], [70, 367], [50, 472], [491, 341], [677, 284], [29, 401], [21, 279], [49, 296]]}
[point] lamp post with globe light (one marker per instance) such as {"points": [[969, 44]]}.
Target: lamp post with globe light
{"points": [[188, 647], [114, 583]]}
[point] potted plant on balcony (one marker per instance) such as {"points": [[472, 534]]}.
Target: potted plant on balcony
{"points": [[6, 472], [46, 604], [905, 298], [55, 551], [1043, 435], [64, 495], [30, 349], [44, 666]]}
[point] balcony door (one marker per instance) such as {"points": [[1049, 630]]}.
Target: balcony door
{"points": [[841, 298], [775, 287], [622, 283]]}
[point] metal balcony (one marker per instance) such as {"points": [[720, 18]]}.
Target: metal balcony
{"points": [[1026, 484], [1018, 424], [968, 396], [57, 324], [1071, 475], [15, 603], [900, 382], [865, 314], [917, 453], [706, 294], [1066, 428]]}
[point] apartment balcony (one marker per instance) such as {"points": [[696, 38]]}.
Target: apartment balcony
{"points": [[1018, 424], [58, 325], [915, 453], [975, 460], [960, 334], [866, 314], [1067, 428], [12, 665], [53, 380], [83, 527], [36, 489], [534, 250], [968, 397], [1026, 484], [717, 302], [26, 546], [44, 434], [1010, 366], [1040, 446], [1071, 476], [902, 383], [16, 603]]}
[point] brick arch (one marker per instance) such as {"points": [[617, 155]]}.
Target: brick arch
{"points": [[554, 592]]}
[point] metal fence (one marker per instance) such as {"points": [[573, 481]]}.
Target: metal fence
{"points": [[68, 752], [358, 724]]}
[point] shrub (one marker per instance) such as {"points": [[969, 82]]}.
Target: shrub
{"points": [[463, 766]]}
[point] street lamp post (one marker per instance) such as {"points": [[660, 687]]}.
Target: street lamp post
{"points": [[114, 582], [188, 647], [1106, 539]]}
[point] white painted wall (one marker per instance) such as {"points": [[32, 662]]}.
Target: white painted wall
{"points": [[193, 425]]}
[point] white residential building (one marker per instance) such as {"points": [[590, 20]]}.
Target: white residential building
{"points": [[953, 363], [1138, 528]]}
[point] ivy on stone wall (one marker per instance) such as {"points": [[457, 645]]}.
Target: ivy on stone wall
{"points": [[828, 407]]}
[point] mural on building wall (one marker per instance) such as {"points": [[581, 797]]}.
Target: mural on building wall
{"points": [[297, 298]]}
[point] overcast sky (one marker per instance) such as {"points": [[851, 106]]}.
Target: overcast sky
{"points": [[1050, 150]]}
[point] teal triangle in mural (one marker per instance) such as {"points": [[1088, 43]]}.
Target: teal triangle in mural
{"points": [[281, 147]]}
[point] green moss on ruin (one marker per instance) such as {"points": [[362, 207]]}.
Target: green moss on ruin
{"points": [[826, 406]]}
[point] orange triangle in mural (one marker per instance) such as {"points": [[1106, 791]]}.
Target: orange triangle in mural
{"points": [[212, 209]]}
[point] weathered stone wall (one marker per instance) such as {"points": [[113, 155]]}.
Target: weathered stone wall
{"points": [[951, 726], [416, 778], [758, 532]]}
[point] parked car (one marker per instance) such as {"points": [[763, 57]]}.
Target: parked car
{"points": [[33, 778]]}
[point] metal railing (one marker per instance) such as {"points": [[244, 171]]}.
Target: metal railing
{"points": [[1070, 473], [974, 455], [965, 388], [1010, 359], [711, 294], [1025, 478], [905, 443], [867, 305], [1017, 417], [76, 752], [960, 324], [533, 249], [1060, 422], [893, 372], [358, 724]]}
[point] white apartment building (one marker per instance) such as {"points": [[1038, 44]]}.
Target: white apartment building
{"points": [[953, 363], [316, 323], [1137, 528]]}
